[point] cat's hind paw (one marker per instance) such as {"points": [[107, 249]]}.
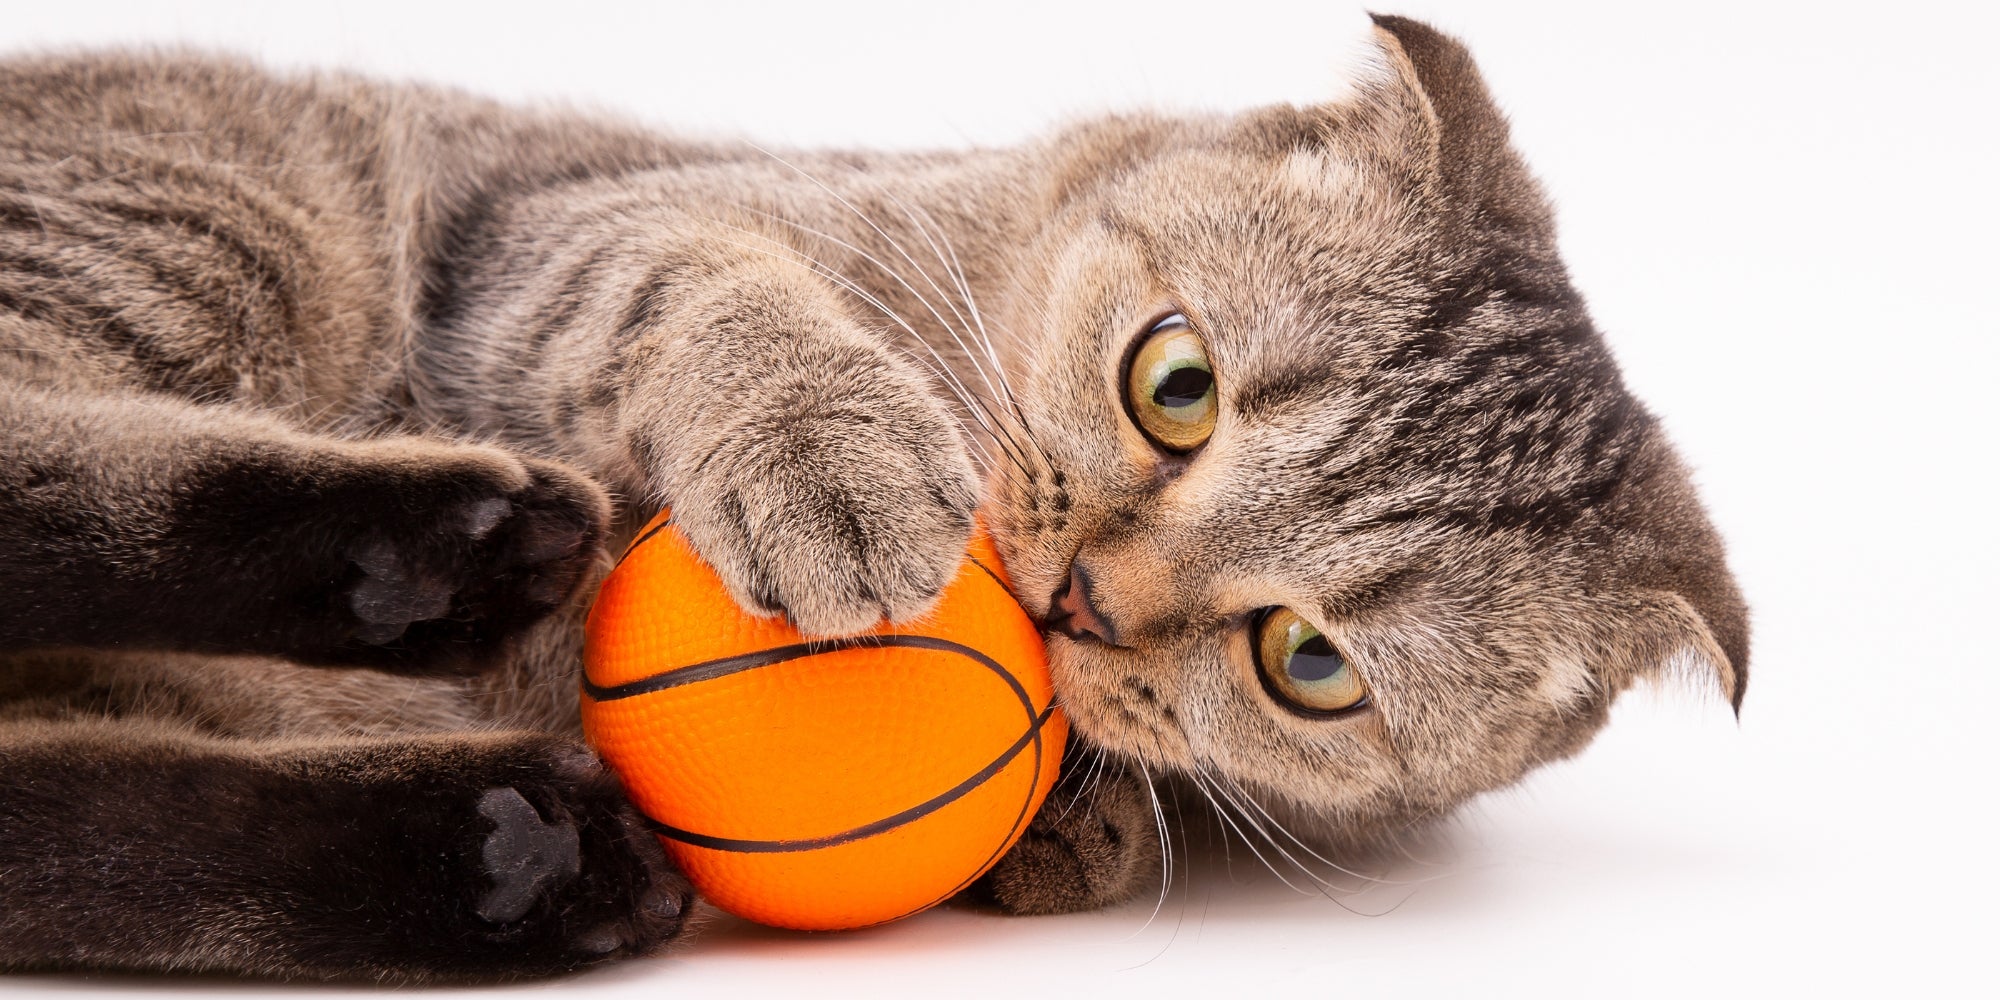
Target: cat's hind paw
{"points": [[567, 874], [1095, 843], [472, 558], [399, 553]]}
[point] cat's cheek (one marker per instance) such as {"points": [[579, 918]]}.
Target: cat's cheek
{"points": [[1037, 557], [1080, 702], [1112, 705]]}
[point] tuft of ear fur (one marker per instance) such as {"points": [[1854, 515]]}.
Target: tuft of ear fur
{"points": [[1669, 553], [1480, 180], [1658, 633]]}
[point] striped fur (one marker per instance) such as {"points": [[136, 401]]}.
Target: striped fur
{"points": [[318, 371]]}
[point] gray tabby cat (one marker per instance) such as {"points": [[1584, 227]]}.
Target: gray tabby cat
{"points": [[322, 400]]}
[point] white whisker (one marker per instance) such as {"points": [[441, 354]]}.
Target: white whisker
{"points": [[807, 262], [1166, 845], [894, 244], [973, 398], [1240, 796], [1223, 814], [979, 329], [972, 357]]}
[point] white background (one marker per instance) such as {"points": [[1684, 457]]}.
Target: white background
{"points": [[1784, 220]]}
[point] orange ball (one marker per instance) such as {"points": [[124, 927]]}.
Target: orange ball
{"points": [[827, 784]]}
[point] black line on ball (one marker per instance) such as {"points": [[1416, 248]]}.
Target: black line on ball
{"points": [[995, 577], [1013, 832], [642, 539], [695, 673], [866, 830], [1034, 778]]}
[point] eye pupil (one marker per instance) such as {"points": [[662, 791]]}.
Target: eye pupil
{"points": [[1314, 660], [1183, 387]]}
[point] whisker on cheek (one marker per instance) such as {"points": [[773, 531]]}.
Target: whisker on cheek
{"points": [[1202, 786], [939, 370], [1166, 843]]}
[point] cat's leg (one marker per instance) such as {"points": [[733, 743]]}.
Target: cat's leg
{"points": [[809, 461], [133, 845], [1095, 843], [148, 521]]}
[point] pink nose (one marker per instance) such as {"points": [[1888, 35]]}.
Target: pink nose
{"points": [[1074, 614]]}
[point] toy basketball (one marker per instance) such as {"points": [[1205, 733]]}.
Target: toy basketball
{"points": [[827, 784]]}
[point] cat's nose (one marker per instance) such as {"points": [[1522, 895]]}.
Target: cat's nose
{"points": [[1074, 614]]}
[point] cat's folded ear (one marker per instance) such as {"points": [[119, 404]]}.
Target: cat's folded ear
{"points": [[1683, 608], [1430, 110]]}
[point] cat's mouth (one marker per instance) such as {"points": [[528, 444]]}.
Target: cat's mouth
{"points": [[1109, 705]]}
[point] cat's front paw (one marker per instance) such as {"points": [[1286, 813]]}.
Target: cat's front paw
{"points": [[1094, 843], [405, 553], [837, 516]]}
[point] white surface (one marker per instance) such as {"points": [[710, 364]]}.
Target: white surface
{"points": [[1784, 221]]}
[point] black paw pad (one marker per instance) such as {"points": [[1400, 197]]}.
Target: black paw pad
{"points": [[525, 856], [457, 858], [392, 594]]}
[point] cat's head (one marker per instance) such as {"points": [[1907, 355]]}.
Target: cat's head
{"points": [[1333, 491]]}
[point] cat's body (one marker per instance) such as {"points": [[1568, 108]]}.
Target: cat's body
{"points": [[251, 329]]}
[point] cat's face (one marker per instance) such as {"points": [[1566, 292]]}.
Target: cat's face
{"points": [[1366, 519]]}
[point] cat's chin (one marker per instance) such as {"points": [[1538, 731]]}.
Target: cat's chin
{"points": [[1114, 711]]}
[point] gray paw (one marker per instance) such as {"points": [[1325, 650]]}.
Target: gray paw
{"points": [[840, 517], [524, 856], [1093, 844]]}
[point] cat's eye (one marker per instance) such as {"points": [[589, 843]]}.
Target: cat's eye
{"points": [[1170, 386], [1302, 668]]}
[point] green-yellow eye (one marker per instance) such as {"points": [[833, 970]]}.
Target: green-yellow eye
{"points": [[1170, 386], [1301, 668]]}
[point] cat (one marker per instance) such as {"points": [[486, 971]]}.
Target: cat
{"points": [[324, 400]]}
